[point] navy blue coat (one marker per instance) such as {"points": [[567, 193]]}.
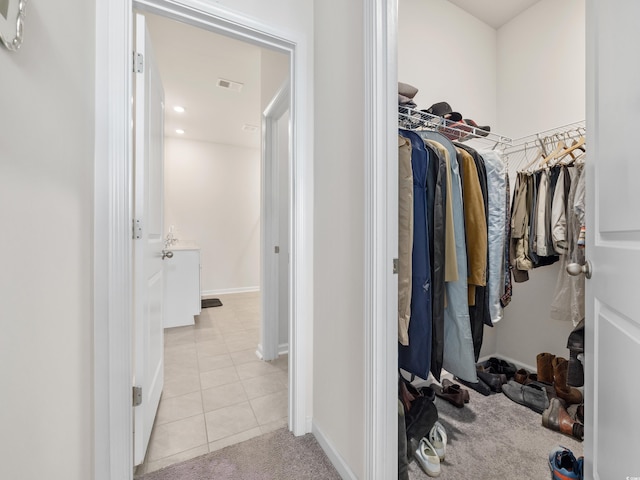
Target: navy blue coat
{"points": [[416, 357]]}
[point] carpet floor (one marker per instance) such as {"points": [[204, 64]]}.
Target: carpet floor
{"points": [[274, 456], [489, 438], [494, 438]]}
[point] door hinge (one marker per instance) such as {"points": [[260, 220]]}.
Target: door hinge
{"points": [[138, 62], [395, 266], [137, 396], [137, 229]]}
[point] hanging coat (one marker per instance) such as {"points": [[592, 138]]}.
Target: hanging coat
{"points": [[496, 221], [458, 343], [437, 182], [416, 357], [405, 237]]}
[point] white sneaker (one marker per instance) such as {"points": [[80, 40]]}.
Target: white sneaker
{"points": [[438, 439], [428, 458]]}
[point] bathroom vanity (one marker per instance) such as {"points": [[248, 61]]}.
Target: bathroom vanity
{"points": [[182, 285]]}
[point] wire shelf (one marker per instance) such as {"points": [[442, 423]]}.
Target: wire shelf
{"points": [[413, 119]]}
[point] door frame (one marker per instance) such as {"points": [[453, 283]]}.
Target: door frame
{"points": [[268, 349], [381, 238], [112, 254]]}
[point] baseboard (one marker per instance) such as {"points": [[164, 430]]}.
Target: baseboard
{"points": [[283, 349], [335, 458], [213, 293]]}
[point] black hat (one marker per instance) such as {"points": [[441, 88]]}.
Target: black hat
{"points": [[443, 109]]}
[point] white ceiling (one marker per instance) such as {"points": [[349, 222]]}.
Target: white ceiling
{"points": [[191, 60], [494, 13]]}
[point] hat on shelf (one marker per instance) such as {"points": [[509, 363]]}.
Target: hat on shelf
{"points": [[444, 110], [485, 128], [406, 101], [406, 90], [462, 129]]}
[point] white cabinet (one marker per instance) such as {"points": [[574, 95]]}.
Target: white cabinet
{"points": [[182, 286]]}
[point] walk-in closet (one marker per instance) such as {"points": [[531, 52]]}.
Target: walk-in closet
{"points": [[504, 92]]}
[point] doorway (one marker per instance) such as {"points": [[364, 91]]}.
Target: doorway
{"points": [[113, 218], [216, 390]]}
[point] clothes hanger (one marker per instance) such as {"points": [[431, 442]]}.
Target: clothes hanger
{"points": [[536, 159], [562, 154], [440, 138], [577, 145], [560, 147]]}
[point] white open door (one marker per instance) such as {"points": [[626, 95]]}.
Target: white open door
{"points": [[612, 383], [148, 243], [275, 225]]}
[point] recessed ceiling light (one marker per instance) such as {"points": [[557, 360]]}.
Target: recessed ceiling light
{"points": [[249, 128], [179, 131], [230, 84], [178, 109]]}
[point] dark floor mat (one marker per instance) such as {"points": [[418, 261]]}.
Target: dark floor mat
{"points": [[211, 302]]}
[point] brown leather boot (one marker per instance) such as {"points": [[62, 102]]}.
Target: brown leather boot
{"points": [[556, 418], [545, 368], [564, 391]]}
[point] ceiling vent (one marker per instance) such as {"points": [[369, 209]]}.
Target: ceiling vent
{"points": [[230, 85]]}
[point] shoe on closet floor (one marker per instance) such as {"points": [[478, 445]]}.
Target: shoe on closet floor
{"points": [[491, 378], [556, 418], [500, 366], [533, 395], [452, 393], [427, 458], [480, 386], [563, 390], [446, 383], [545, 367], [524, 377], [438, 440], [564, 465]]}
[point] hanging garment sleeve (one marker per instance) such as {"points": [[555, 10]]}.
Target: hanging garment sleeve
{"points": [[438, 238], [458, 343], [497, 224], [451, 261], [559, 212], [505, 299], [405, 237], [521, 262], [475, 224]]}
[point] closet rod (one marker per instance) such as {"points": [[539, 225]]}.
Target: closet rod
{"points": [[569, 131], [412, 119]]}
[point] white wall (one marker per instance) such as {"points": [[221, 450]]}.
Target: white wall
{"points": [[541, 68], [212, 196], [450, 56], [541, 85], [274, 71], [339, 229], [46, 201]]}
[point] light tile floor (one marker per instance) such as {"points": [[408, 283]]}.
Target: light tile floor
{"points": [[216, 390]]}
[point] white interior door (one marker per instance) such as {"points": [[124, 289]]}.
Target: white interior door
{"points": [[612, 386], [148, 244], [275, 205]]}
